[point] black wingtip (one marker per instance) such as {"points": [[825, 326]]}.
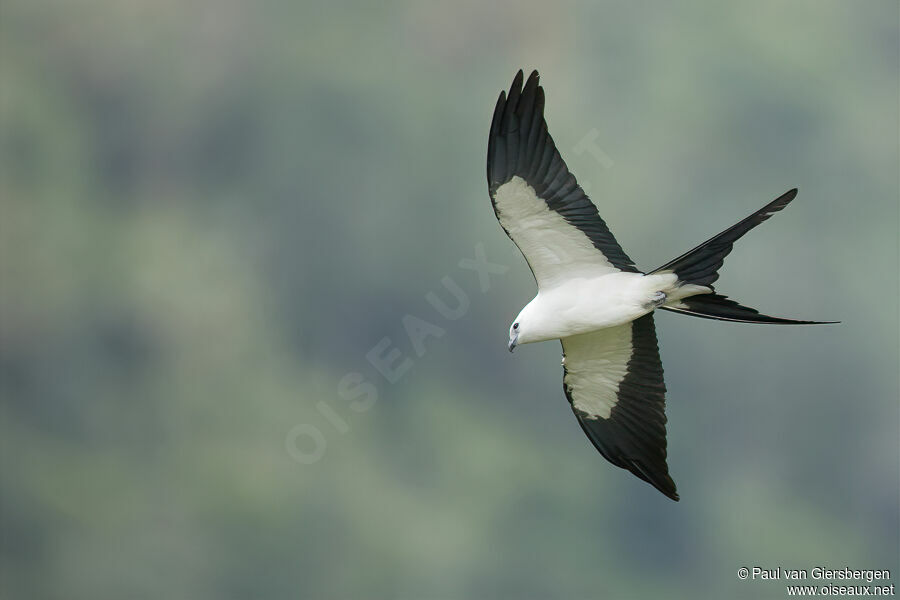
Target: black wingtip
{"points": [[662, 482], [517, 82], [520, 77], [612, 444], [784, 199], [498, 112]]}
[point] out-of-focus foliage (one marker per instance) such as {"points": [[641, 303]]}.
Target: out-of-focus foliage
{"points": [[212, 211]]}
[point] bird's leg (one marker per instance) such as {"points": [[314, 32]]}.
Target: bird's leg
{"points": [[657, 299]]}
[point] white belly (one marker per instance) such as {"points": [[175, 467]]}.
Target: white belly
{"points": [[584, 305]]}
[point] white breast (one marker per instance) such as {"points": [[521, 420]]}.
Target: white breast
{"points": [[583, 305]]}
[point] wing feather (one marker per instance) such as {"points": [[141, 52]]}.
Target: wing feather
{"points": [[537, 200], [614, 382]]}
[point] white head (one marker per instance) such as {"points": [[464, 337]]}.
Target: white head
{"points": [[525, 328], [541, 320], [513, 335]]}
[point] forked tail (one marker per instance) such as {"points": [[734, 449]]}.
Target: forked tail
{"points": [[701, 265]]}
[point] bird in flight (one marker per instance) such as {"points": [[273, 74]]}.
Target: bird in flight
{"points": [[591, 297]]}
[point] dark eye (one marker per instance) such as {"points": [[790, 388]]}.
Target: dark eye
{"points": [[515, 325]]}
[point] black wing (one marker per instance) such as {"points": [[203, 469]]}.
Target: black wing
{"points": [[537, 200], [614, 382]]}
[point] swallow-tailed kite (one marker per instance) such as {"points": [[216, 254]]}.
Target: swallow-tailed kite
{"points": [[591, 297]]}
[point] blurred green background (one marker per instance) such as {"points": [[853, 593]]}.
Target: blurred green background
{"points": [[212, 212]]}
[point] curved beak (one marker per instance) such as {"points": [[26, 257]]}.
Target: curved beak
{"points": [[513, 342]]}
